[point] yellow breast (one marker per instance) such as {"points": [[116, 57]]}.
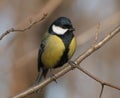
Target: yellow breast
{"points": [[72, 47], [53, 51]]}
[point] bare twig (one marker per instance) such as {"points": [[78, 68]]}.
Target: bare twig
{"points": [[96, 79], [35, 18], [97, 32], [102, 85], [69, 67], [97, 46], [25, 28]]}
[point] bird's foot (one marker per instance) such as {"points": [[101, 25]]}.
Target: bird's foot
{"points": [[73, 64], [53, 77], [37, 91]]}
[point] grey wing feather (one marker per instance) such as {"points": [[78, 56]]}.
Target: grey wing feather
{"points": [[42, 46], [41, 70], [39, 56]]}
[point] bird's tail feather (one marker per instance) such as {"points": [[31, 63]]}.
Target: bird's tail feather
{"points": [[42, 74], [39, 77]]}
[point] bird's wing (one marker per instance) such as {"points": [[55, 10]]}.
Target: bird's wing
{"points": [[42, 46]]}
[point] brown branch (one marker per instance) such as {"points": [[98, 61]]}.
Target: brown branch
{"points": [[97, 32], [69, 68], [97, 46], [32, 23], [102, 85], [95, 78], [34, 19], [24, 29]]}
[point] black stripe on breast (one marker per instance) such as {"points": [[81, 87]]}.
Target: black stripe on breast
{"points": [[66, 38]]}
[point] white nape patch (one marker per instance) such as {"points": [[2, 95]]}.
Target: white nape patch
{"points": [[59, 30]]}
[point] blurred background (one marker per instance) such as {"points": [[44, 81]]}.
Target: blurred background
{"points": [[18, 50]]}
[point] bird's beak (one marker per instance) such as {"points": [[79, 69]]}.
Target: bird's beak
{"points": [[72, 29]]}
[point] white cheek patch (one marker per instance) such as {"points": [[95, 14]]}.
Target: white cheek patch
{"points": [[58, 30]]}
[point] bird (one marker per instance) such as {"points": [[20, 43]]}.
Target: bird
{"points": [[57, 46]]}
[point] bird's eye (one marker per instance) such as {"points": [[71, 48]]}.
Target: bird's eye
{"points": [[65, 26]]}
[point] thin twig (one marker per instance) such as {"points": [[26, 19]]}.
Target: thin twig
{"points": [[97, 46], [69, 68], [97, 79], [97, 32], [102, 85], [24, 29], [35, 18]]}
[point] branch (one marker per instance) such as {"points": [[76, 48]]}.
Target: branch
{"points": [[101, 90], [97, 79], [75, 64], [97, 46], [26, 28], [35, 18]]}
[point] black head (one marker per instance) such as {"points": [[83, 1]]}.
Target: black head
{"points": [[61, 26]]}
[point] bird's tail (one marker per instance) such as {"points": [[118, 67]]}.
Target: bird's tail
{"points": [[39, 77], [42, 74]]}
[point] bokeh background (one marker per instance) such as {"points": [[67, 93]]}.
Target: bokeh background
{"points": [[18, 50]]}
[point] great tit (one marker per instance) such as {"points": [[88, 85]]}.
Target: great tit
{"points": [[57, 46]]}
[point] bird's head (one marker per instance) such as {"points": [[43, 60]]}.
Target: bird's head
{"points": [[61, 25]]}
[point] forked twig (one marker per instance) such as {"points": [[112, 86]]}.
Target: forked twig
{"points": [[24, 29]]}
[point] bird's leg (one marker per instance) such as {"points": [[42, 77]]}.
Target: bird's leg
{"points": [[73, 64], [52, 75]]}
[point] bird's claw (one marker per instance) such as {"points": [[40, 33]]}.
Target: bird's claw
{"points": [[53, 78], [73, 64]]}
